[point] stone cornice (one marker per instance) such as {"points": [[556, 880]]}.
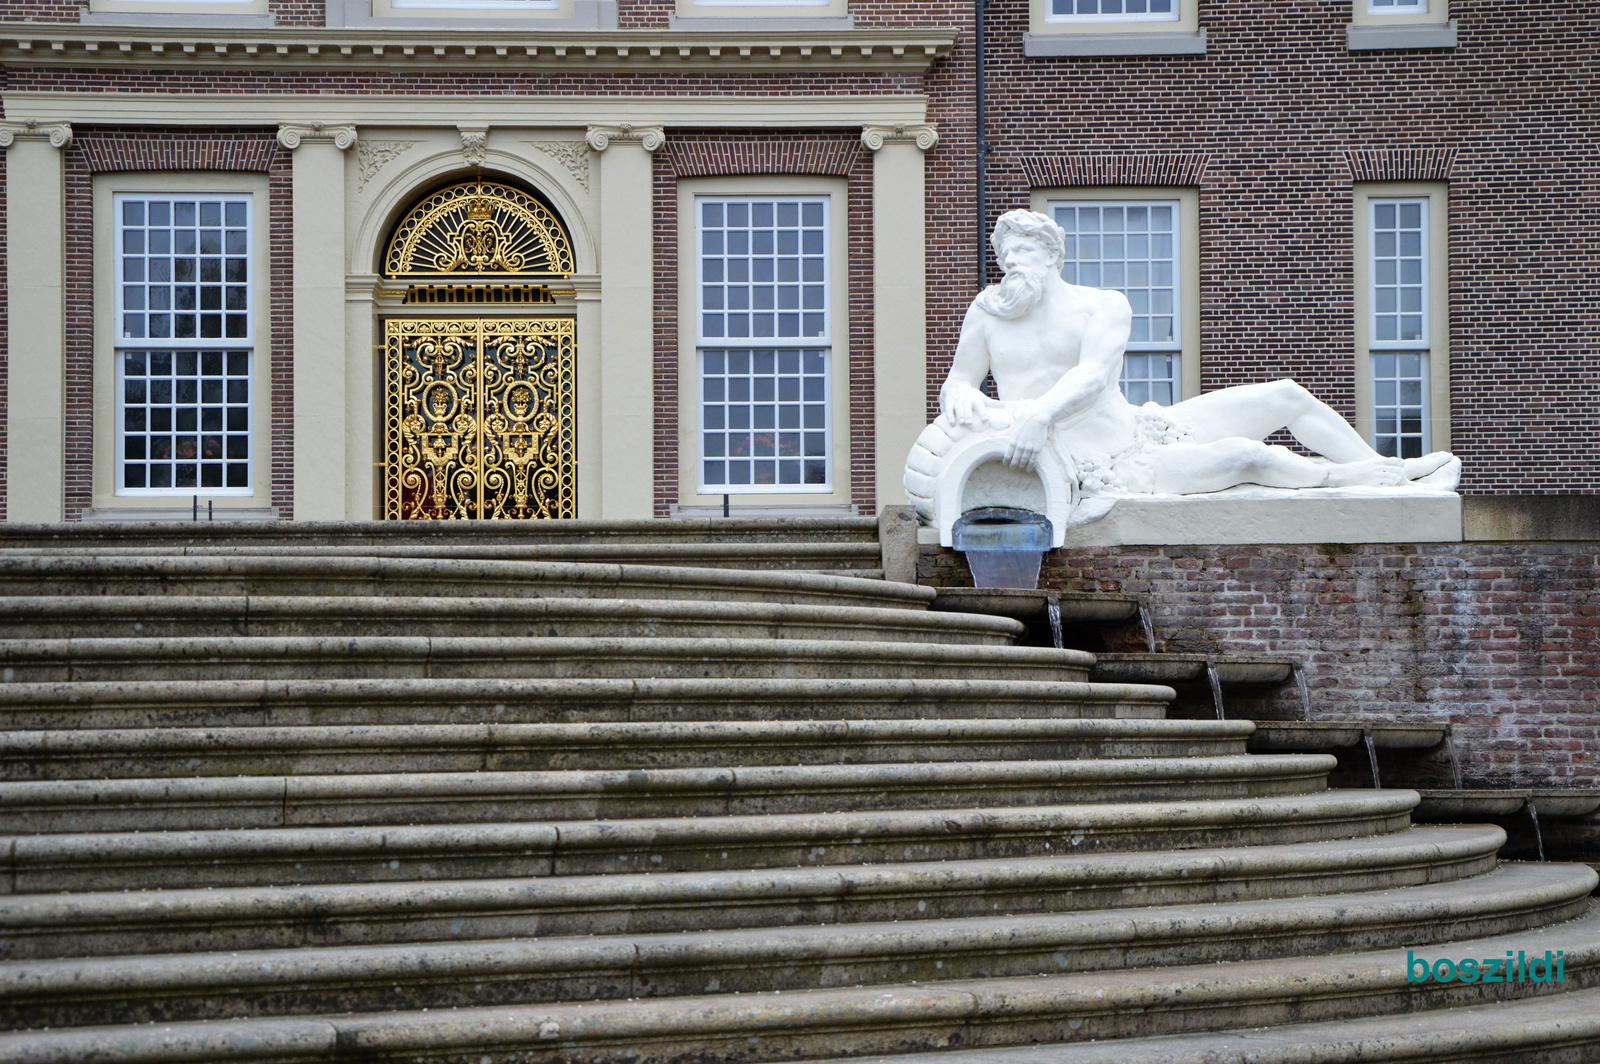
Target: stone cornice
{"points": [[923, 136], [59, 134], [649, 137], [291, 136], [46, 44]]}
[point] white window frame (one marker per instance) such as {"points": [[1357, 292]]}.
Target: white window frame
{"points": [[693, 491], [258, 8], [762, 9], [110, 191], [1434, 347], [1185, 19], [1175, 15], [1186, 287], [1418, 13]]}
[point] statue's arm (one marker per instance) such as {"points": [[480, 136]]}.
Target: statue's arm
{"points": [[1100, 349], [961, 398]]}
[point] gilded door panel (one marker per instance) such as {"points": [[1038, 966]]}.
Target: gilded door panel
{"points": [[479, 419]]}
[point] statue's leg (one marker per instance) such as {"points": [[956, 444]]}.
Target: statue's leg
{"points": [[1196, 468], [1256, 411]]}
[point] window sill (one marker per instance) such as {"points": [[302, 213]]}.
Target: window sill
{"points": [[587, 15], [155, 20], [714, 24], [1398, 38], [1094, 45]]}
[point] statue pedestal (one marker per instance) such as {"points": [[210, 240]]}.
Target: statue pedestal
{"points": [[1251, 514]]}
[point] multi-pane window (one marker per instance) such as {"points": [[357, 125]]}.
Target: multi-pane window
{"points": [[1114, 10], [184, 343], [1397, 7], [1399, 327], [1133, 248], [764, 344]]}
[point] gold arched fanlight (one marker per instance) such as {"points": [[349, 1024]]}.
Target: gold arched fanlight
{"points": [[479, 228]]}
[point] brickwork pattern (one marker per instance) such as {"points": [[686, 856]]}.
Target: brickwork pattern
{"points": [[1065, 171], [95, 151], [695, 154], [1500, 639]]}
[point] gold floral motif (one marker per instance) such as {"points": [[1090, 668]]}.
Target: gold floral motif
{"points": [[479, 227], [479, 419]]}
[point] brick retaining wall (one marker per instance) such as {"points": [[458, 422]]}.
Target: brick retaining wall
{"points": [[1501, 639]]}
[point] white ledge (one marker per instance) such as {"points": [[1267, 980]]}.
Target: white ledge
{"points": [[1090, 45], [58, 44], [1393, 38]]}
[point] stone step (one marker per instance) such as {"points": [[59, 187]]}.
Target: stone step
{"points": [[1189, 670], [404, 657], [93, 924], [282, 616], [1110, 943], [1452, 807], [79, 574], [253, 703], [879, 1019], [1552, 1029], [233, 802], [42, 863], [171, 536], [844, 556], [103, 753], [1278, 736]]}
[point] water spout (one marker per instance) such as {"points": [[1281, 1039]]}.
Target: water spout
{"points": [[1052, 609], [1305, 693], [1538, 836], [1216, 689], [1149, 629], [1455, 762], [1004, 546], [1372, 756]]}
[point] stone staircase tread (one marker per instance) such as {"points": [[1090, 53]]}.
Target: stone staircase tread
{"points": [[250, 702], [1505, 1032], [553, 616], [694, 843], [313, 749], [591, 904], [405, 797], [878, 1019], [1109, 942]]}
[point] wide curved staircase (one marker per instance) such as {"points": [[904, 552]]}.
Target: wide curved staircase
{"points": [[684, 792]]}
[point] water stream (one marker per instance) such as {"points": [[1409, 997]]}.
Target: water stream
{"points": [[1216, 689], [1538, 836], [1455, 762], [1149, 628], [1372, 756], [1305, 693], [1052, 609]]}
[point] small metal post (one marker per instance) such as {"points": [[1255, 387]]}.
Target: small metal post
{"points": [[210, 513], [195, 516], [724, 505]]}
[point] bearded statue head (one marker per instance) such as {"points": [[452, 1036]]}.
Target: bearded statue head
{"points": [[1021, 289]]}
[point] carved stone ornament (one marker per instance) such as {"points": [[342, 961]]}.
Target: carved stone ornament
{"points": [[374, 155], [573, 154], [342, 137], [650, 138], [875, 137], [474, 143], [59, 134]]}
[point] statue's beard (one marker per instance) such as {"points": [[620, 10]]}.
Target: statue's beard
{"points": [[1016, 294]]}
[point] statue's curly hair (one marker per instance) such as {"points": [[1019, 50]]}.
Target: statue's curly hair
{"points": [[1031, 225]]}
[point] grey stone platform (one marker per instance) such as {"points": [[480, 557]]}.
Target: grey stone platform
{"points": [[673, 791]]}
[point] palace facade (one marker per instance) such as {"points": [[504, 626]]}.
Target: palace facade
{"points": [[356, 259]]}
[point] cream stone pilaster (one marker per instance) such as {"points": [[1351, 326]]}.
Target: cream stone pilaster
{"points": [[627, 328], [320, 429], [899, 298], [36, 339]]}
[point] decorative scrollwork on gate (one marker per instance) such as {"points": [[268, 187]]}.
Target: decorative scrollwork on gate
{"points": [[479, 228], [479, 419]]}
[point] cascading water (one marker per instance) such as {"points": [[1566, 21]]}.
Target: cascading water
{"points": [[1003, 546], [1305, 693], [1372, 756], [1052, 609], [1538, 836], [1216, 689], [1455, 762], [1149, 629]]}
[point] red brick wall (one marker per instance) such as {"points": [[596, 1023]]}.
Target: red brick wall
{"points": [[1500, 639], [825, 154], [125, 149], [1280, 109]]}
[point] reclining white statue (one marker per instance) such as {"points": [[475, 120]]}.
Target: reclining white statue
{"points": [[1055, 351]]}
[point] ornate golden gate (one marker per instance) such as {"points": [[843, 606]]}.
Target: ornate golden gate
{"points": [[479, 412]]}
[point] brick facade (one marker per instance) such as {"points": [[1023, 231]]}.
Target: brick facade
{"points": [[1500, 639]]}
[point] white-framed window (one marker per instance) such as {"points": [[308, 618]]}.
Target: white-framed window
{"points": [[764, 356], [1133, 246], [1113, 10], [1402, 331], [1396, 7], [183, 267]]}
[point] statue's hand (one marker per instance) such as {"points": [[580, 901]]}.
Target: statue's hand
{"points": [[964, 405], [1027, 437]]}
